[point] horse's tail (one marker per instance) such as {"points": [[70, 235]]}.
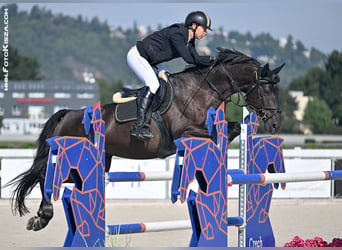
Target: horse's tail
{"points": [[26, 181]]}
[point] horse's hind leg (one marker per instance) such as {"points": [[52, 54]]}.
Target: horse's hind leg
{"points": [[45, 211], [44, 214]]}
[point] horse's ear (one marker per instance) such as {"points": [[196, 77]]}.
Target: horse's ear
{"points": [[265, 70], [277, 70]]}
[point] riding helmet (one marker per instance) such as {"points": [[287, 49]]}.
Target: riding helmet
{"points": [[198, 17]]}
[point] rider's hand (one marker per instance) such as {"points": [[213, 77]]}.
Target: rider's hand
{"points": [[212, 58]]}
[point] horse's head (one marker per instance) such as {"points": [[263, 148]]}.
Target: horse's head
{"points": [[257, 84], [262, 97]]}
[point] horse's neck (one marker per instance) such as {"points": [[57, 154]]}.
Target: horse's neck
{"points": [[193, 90]]}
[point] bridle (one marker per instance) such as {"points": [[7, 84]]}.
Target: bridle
{"points": [[259, 81]]}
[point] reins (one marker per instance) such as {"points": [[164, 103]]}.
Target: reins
{"points": [[187, 101]]}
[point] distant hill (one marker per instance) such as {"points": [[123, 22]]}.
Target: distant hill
{"points": [[66, 46]]}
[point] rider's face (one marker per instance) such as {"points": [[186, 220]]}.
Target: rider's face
{"points": [[201, 32]]}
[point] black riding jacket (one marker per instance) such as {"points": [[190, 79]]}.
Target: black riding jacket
{"points": [[170, 43]]}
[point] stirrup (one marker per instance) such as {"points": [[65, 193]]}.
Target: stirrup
{"points": [[145, 134]]}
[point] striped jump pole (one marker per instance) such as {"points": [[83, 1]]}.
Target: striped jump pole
{"points": [[148, 227], [148, 176], [160, 226], [284, 177], [138, 176]]}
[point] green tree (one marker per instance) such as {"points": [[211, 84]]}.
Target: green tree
{"points": [[318, 115], [311, 82], [325, 84], [287, 104], [334, 64], [1, 122], [234, 109], [333, 89]]}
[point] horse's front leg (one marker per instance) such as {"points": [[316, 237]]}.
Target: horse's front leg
{"points": [[234, 129], [44, 214], [108, 162], [194, 131]]}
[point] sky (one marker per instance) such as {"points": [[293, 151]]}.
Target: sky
{"points": [[316, 23]]}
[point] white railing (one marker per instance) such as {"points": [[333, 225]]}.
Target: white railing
{"points": [[15, 161]]}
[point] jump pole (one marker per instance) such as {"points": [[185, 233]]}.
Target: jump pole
{"points": [[148, 176], [138, 176], [284, 177], [160, 226]]}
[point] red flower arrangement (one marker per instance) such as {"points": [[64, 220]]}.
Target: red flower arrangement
{"points": [[315, 242]]}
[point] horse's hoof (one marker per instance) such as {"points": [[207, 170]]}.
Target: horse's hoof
{"points": [[30, 223], [43, 217], [36, 223]]}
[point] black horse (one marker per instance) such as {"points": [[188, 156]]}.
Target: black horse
{"points": [[194, 91]]}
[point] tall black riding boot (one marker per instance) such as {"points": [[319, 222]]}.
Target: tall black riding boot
{"points": [[141, 128]]}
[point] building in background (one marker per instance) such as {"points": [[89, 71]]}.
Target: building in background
{"points": [[302, 102], [27, 105]]}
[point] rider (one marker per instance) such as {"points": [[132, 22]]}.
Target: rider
{"points": [[177, 40]]}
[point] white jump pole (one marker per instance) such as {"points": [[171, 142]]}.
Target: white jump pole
{"points": [[269, 178]]}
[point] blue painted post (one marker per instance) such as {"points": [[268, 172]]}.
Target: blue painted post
{"points": [[264, 154], [84, 160], [205, 160]]}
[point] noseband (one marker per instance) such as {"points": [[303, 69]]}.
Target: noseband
{"points": [[259, 81]]}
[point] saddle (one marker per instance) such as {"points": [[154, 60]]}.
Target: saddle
{"points": [[126, 108]]}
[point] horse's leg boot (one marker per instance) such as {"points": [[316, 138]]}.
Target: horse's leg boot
{"points": [[141, 129]]}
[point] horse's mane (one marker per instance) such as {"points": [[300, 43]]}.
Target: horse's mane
{"points": [[229, 56], [234, 57]]}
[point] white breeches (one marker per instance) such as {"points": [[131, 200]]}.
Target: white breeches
{"points": [[142, 69]]}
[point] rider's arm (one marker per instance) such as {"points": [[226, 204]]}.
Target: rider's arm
{"points": [[188, 52]]}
